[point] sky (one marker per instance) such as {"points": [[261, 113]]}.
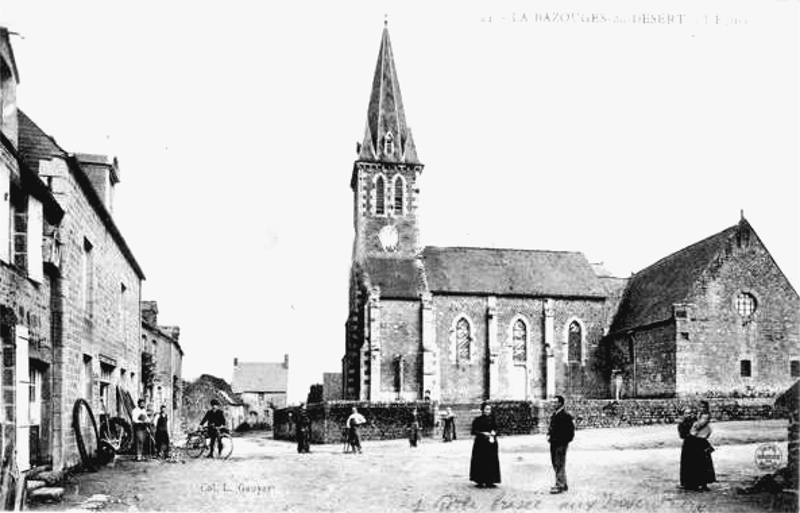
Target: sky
{"points": [[626, 131]]}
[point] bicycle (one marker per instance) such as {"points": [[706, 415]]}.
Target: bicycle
{"points": [[198, 442]]}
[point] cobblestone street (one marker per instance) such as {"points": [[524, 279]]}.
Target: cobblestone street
{"points": [[609, 470]]}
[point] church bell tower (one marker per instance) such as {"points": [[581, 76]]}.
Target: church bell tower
{"points": [[384, 179]]}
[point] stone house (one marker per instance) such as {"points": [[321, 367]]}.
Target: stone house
{"points": [[162, 355], [97, 331], [460, 325], [262, 386], [30, 282]]}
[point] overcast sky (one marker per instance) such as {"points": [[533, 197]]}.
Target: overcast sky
{"points": [[607, 128]]}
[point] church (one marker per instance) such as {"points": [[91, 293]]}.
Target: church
{"points": [[462, 324]]}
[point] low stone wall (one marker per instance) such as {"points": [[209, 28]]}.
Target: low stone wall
{"points": [[389, 421], [642, 412], [385, 421]]}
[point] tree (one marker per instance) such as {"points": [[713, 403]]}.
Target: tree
{"points": [[315, 394]]}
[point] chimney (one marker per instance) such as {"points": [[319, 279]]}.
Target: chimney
{"points": [[286, 361], [103, 172], [149, 312], [235, 362]]}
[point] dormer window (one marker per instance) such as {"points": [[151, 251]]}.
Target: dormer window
{"points": [[388, 144]]}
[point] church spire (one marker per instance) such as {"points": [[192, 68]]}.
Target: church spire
{"points": [[387, 138]]}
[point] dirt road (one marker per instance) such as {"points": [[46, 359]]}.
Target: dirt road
{"points": [[631, 469]]}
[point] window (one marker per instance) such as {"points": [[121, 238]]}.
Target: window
{"points": [[519, 341], [463, 340], [398, 195], [86, 376], [388, 144], [34, 395], [106, 371], [122, 298], [684, 335], [19, 230], [87, 276], [574, 341], [745, 369], [794, 368], [380, 207], [745, 304]]}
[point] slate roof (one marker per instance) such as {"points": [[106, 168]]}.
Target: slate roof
{"points": [[652, 291], [386, 113], [398, 278], [35, 145], [259, 377], [510, 272]]}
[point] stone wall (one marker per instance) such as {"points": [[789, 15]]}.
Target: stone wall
{"points": [[642, 412], [385, 421]]}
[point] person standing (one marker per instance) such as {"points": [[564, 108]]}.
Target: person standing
{"points": [[413, 429], [449, 431], [560, 434], [702, 465], [140, 422], [215, 419], [684, 431], [484, 466], [302, 427], [162, 433], [353, 422]]}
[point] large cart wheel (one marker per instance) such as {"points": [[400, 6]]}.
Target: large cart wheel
{"points": [[86, 436]]}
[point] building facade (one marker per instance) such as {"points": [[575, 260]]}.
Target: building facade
{"points": [[162, 355], [262, 386], [461, 325], [30, 282]]}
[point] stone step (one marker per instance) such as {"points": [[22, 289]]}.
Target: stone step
{"points": [[46, 494]]}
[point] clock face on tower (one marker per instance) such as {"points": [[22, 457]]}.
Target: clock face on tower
{"points": [[388, 238]]}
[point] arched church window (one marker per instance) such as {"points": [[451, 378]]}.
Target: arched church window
{"points": [[463, 340], [745, 304], [380, 192], [398, 195], [574, 342], [520, 338]]}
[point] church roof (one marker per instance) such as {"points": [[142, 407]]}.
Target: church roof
{"points": [[510, 272], [652, 291], [397, 277], [387, 138]]}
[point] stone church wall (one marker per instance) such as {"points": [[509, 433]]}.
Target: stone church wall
{"points": [[719, 339], [589, 380], [461, 382], [400, 336]]}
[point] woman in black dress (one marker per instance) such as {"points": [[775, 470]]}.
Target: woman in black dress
{"points": [[484, 468]]}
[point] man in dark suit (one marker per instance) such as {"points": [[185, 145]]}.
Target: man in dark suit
{"points": [[560, 434]]}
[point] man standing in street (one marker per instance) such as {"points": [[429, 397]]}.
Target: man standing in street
{"points": [[303, 429], [560, 434], [215, 419], [140, 422]]}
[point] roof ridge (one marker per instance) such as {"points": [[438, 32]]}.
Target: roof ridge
{"points": [[685, 249], [520, 250]]}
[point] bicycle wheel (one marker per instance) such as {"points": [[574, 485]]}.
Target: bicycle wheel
{"points": [[195, 445], [117, 432], [226, 446]]}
